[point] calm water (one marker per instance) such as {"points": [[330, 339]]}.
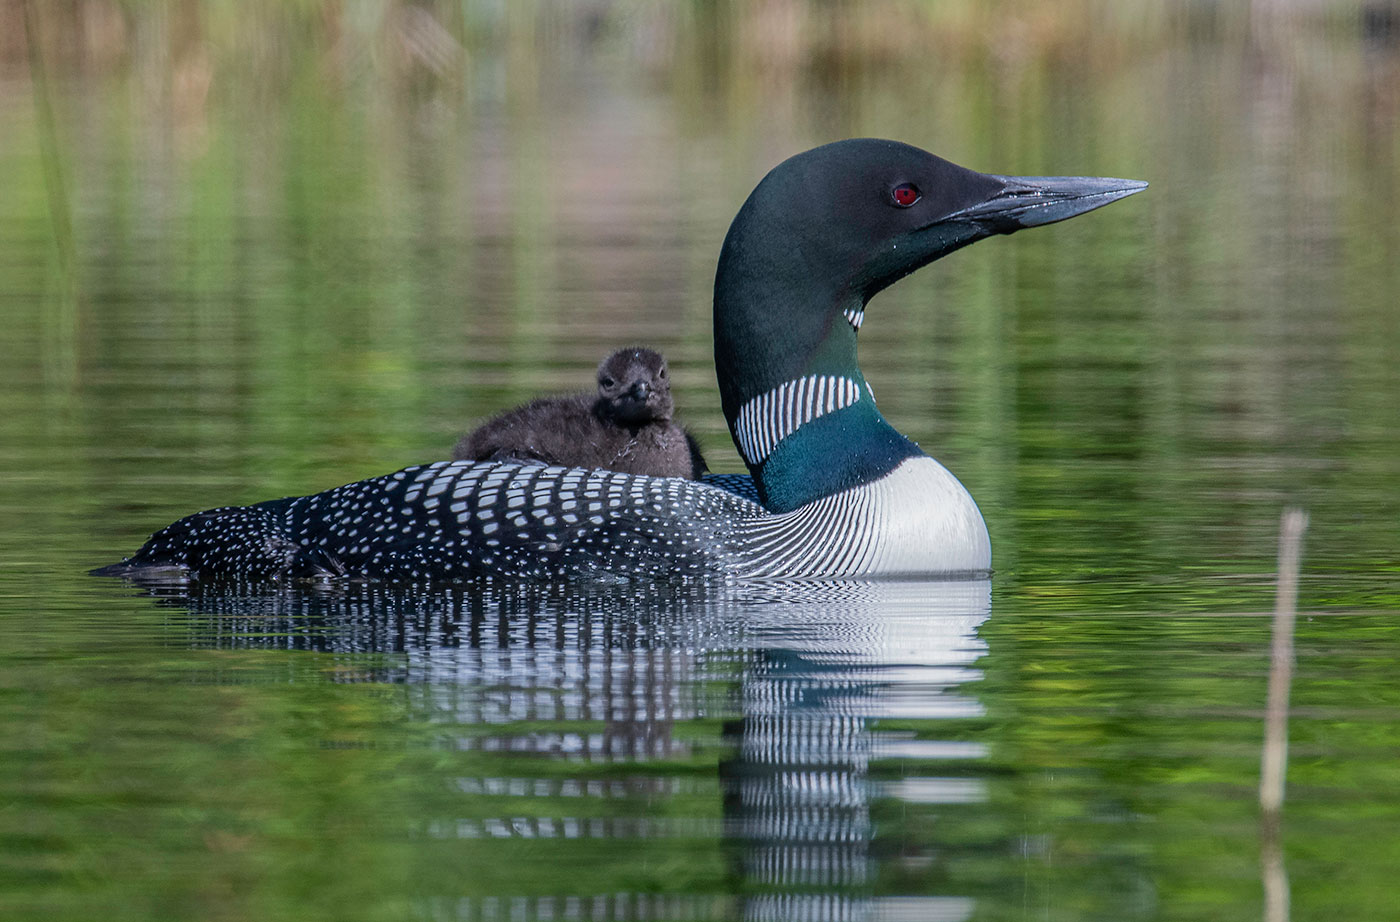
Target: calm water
{"points": [[257, 252]]}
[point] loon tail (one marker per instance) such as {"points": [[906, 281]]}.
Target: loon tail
{"points": [[255, 539]]}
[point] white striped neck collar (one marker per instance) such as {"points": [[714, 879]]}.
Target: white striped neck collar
{"points": [[767, 419]]}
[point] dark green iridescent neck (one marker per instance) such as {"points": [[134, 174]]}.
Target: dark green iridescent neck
{"points": [[766, 337]]}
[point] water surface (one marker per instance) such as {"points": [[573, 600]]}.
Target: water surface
{"points": [[304, 247]]}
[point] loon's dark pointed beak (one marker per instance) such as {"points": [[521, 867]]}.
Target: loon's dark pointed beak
{"points": [[1029, 201], [1007, 204]]}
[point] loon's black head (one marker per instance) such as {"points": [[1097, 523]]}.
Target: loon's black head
{"points": [[828, 229], [634, 388]]}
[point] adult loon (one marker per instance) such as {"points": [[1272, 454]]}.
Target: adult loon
{"points": [[625, 427], [834, 491]]}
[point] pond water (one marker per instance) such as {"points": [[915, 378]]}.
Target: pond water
{"points": [[254, 251]]}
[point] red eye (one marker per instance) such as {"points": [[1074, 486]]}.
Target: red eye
{"points": [[905, 194]]}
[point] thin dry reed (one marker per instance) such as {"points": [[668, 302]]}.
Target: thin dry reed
{"points": [[1274, 766]]}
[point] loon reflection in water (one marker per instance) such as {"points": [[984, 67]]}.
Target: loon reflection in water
{"points": [[581, 679], [834, 490]]}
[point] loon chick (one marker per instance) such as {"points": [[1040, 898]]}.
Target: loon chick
{"points": [[627, 427], [834, 490]]}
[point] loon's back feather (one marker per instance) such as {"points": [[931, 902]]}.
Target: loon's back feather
{"points": [[459, 519]]}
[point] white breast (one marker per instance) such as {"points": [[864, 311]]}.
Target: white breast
{"points": [[928, 523], [916, 521]]}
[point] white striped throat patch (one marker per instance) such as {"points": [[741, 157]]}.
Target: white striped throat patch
{"points": [[769, 418], [855, 316]]}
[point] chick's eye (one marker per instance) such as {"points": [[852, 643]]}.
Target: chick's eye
{"points": [[606, 381], [905, 194]]}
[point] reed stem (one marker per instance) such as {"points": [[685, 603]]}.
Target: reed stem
{"points": [[1274, 767]]}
